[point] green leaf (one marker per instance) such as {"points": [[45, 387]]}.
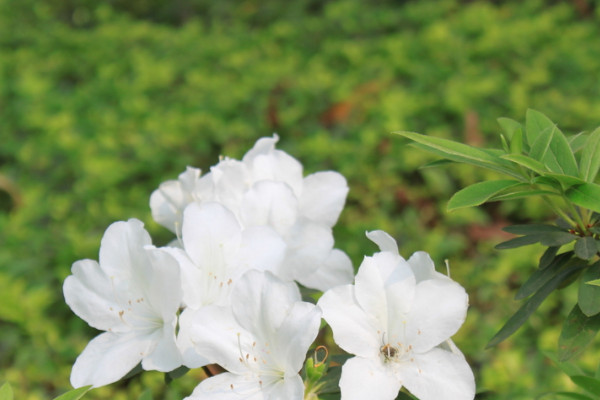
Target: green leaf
{"points": [[527, 162], [504, 143], [478, 193], [588, 383], [578, 141], [586, 195], [460, 152], [6, 392], [146, 395], [567, 367], [569, 395], [553, 150], [588, 296], [586, 248], [590, 158], [437, 163], [519, 192], [535, 124], [518, 242], [556, 238], [548, 257], [532, 304], [74, 394], [176, 373], [595, 282], [541, 276], [565, 180], [509, 126], [578, 331], [529, 229]]}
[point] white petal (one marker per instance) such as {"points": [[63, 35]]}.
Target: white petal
{"points": [[297, 332], [289, 388], [262, 248], [309, 246], [211, 235], [231, 180], [191, 278], [423, 267], [438, 311], [384, 241], [228, 386], [270, 203], [336, 270], [364, 378], [165, 356], [107, 358], [190, 357], [260, 302], [353, 330], [438, 375], [162, 284], [323, 197], [122, 248], [90, 295], [167, 204]]}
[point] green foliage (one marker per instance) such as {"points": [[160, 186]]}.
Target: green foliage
{"points": [[74, 394]]}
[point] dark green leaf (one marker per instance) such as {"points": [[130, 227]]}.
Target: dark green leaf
{"points": [[586, 195], [532, 304], [556, 238], [529, 229], [176, 373], [578, 331], [541, 276], [74, 394], [595, 229], [590, 158], [526, 162], [404, 396], [478, 193], [548, 257], [460, 152], [588, 297], [518, 242], [588, 383], [6, 392], [586, 248]]}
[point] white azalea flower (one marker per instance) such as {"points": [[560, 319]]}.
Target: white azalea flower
{"points": [[261, 340], [396, 325], [133, 294], [216, 252], [267, 188]]}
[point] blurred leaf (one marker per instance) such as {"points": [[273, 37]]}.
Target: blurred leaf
{"points": [[578, 331], [586, 195], [586, 247], [541, 276], [518, 242], [565, 180], [146, 395], [478, 193], [74, 394], [569, 395], [404, 396], [590, 158], [526, 162], [567, 367], [595, 282], [6, 392], [176, 373], [548, 256], [437, 163], [588, 383], [460, 152], [531, 305], [588, 296]]}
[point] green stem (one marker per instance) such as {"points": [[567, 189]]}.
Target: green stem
{"points": [[559, 211]]}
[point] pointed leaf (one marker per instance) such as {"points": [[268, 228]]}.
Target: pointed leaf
{"points": [[478, 193], [548, 257], [527, 162], [590, 158], [586, 248], [553, 150], [74, 394], [577, 142], [460, 152], [540, 277], [528, 229], [532, 304], [556, 238], [592, 385], [520, 192], [588, 296], [535, 123], [509, 126], [518, 242], [565, 180], [578, 331], [6, 392], [586, 195], [595, 282], [437, 163]]}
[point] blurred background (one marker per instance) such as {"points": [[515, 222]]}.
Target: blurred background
{"points": [[102, 101]]}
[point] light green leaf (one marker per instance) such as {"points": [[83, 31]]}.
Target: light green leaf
{"points": [[146, 395], [567, 367], [504, 143], [568, 395], [535, 124], [519, 192], [532, 304], [460, 152], [588, 296], [577, 142], [590, 158], [578, 331], [553, 150], [509, 126], [516, 143], [436, 163], [527, 162], [479, 193], [74, 394], [586, 248], [565, 180], [586, 195], [595, 282], [592, 385], [6, 392]]}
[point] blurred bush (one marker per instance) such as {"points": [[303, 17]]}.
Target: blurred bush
{"points": [[100, 102]]}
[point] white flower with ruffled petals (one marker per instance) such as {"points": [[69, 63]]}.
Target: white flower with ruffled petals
{"points": [[395, 325], [261, 340], [133, 294]]}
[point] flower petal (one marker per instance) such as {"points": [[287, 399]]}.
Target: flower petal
{"points": [[107, 358], [261, 248], [364, 378], [438, 375], [353, 330], [335, 270], [122, 248], [323, 197], [165, 356], [423, 267], [190, 357], [270, 203], [288, 388], [162, 284], [438, 311], [384, 240], [228, 386], [309, 246]]}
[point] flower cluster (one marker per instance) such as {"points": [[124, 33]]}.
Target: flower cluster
{"points": [[225, 291]]}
